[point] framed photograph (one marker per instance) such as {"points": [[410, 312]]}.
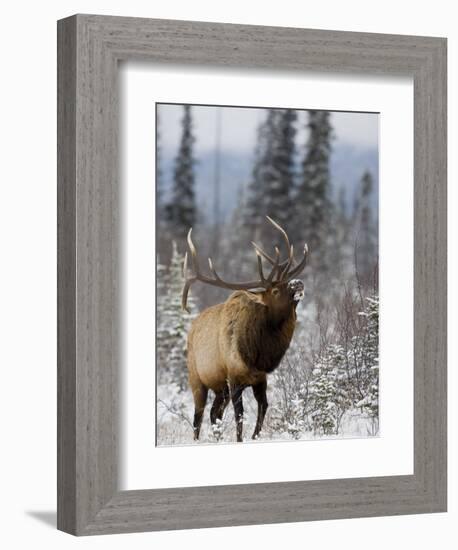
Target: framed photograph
{"points": [[251, 275]]}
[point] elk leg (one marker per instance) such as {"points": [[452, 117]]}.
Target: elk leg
{"points": [[200, 399], [219, 405], [259, 391], [236, 395], [217, 410]]}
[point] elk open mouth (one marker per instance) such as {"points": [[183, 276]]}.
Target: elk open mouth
{"points": [[296, 288], [298, 296]]}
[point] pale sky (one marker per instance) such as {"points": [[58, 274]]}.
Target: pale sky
{"points": [[239, 126]]}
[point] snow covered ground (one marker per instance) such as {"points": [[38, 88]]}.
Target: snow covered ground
{"points": [[175, 411]]}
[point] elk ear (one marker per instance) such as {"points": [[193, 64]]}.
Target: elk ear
{"points": [[256, 296]]}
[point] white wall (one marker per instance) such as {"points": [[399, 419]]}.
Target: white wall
{"points": [[28, 280]]}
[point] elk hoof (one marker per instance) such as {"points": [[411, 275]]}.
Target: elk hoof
{"points": [[217, 429]]}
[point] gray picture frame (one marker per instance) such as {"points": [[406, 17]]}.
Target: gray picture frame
{"points": [[89, 49]]}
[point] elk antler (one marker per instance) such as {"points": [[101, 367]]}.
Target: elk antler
{"points": [[262, 282], [284, 268]]}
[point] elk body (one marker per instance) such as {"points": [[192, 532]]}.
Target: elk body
{"points": [[236, 344]]}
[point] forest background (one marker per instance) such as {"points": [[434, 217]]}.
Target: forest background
{"points": [[221, 170]]}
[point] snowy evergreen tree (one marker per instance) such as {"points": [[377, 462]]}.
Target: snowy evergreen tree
{"points": [[370, 346], [279, 176], [182, 210], [255, 204], [313, 195], [162, 330], [345, 375], [336, 254], [290, 413], [323, 389], [238, 254], [366, 245], [342, 217], [159, 171], [330, 391], [172, 322], [271, 188]]}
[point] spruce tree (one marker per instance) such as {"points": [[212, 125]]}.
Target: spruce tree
{"points": [[162, 329], [172, 322], [366, 244], [338, 252], [313, 195], [255, 203], [346, 374], [323, 389], [159, 171], [280, 174], [271, 188], [182, 210], [237, 253], [370, 360], [342, 215], [330, 390]]}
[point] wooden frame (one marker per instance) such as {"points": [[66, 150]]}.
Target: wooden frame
{"points": [[89, 48]]}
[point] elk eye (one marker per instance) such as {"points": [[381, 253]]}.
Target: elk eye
{"points": [[275, 291]]}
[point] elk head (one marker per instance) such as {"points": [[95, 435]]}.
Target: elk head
{"points": [[278, 291]]}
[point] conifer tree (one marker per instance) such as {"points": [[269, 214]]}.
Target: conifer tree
{"points": [[370, 359], [238, 255], [346, 374], [271, 188], [182, 210], [159, 171], [313, 196], [341, 216], [255, 203], [280, 175], [162, 330], [172, 322], [338, 252], [366, 246], [331, 390]]}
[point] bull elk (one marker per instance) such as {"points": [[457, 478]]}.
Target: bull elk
{"points": [[235, 344]]}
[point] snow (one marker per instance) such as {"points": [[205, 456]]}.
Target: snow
{"points": [[175, 412]]}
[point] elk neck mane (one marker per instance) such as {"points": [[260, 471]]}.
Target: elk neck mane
{"points": [[261, 339]]}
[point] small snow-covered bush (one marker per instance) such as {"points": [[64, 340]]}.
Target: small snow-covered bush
{"points": [[315, 393], [172, 323]]}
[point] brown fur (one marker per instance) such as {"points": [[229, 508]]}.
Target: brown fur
{"points": [[236, 344]]}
